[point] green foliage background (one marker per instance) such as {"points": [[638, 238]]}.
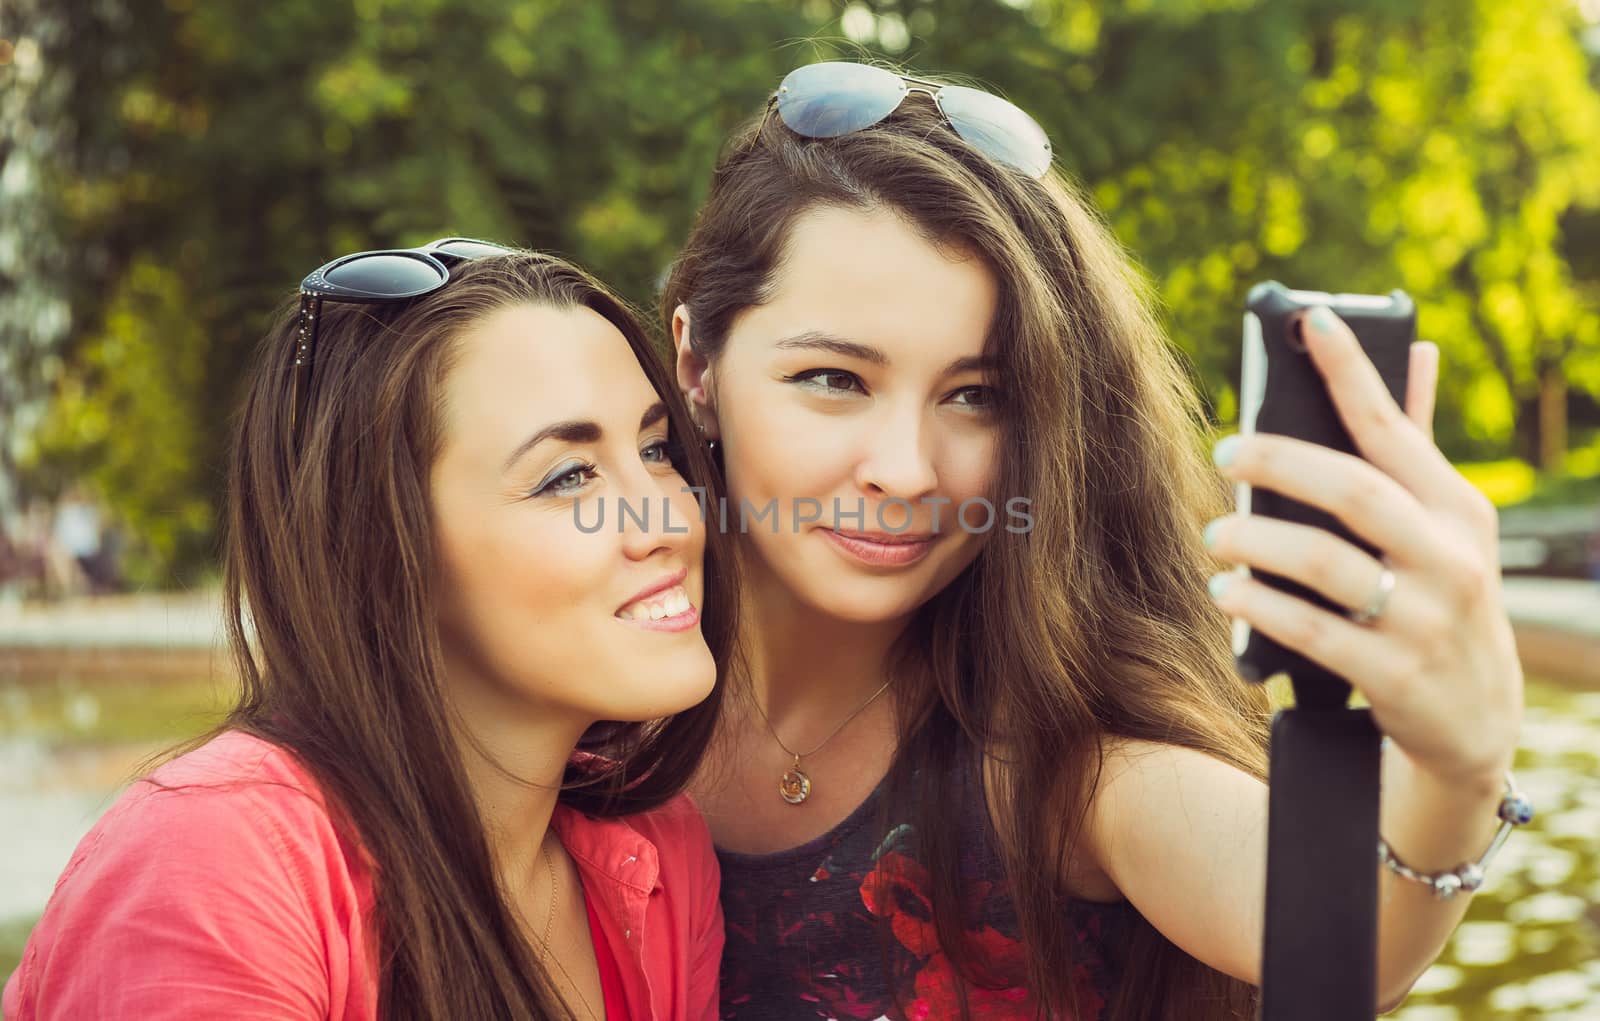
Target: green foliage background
{"points": [[206, 154]]}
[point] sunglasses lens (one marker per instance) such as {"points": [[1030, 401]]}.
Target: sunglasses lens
{"points": [[385, 275], [466, 248], [835, 98], [997, 128]]}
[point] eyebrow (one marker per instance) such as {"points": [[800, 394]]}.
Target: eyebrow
{"points": [[581, 431], [652, 415], [572, 431], [819, 340]]}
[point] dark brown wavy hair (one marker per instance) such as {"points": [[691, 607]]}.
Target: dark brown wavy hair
{"points": [[1094, 624], [329, 582]]}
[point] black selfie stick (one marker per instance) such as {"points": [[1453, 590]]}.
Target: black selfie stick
{"points": [[1319, 959]]}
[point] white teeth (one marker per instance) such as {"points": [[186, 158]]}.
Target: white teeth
{"points": [[659, 606]]}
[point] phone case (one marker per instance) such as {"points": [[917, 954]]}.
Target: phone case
{"points": [[1282, 392]]}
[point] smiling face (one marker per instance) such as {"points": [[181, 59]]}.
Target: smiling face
{"points": [[547, 420], [858, 394]]}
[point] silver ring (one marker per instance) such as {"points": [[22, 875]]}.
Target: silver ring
{"points": [[1379, 601]]}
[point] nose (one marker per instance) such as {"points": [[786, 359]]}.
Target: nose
{"points": [[653, 518], [898, 458]]}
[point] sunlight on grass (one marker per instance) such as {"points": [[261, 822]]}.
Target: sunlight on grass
{"points": [[13, 936], [101, 712], [1512, 482], [1503, 482]]}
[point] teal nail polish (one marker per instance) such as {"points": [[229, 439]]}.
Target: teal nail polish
{"points": [[1209, 537], [1226, 451], [1219, 584], [1324, 320]]}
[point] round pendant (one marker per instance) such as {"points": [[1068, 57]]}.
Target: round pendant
{"points": [[795, 786]]}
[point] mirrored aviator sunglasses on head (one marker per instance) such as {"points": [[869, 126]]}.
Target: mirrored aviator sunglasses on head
{"points": [[369, 278], [836, 98]]}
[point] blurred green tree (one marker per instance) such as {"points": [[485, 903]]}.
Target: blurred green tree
{"points": [[1451, 149], [219, 150]]}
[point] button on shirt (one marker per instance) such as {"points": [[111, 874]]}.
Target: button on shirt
{"points": [[236, 896]]}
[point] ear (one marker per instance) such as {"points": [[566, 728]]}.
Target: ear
{"points": [[694, 374]]}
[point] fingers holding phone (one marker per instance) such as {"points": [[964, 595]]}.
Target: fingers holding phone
{"points": [[1380, 430], [1422, 385], [1370, 557]]}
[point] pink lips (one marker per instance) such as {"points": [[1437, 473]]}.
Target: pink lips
{"points": [[682, 622], [677, 622], [881, 549], [675, 578]]}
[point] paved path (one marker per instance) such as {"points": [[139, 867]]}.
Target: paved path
{"points": [[1562, 603], [193, 619]]}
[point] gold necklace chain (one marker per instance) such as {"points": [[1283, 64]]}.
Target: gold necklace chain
{"points": [[550, 920], [589, 1008], [544, 950], [795, 786]]}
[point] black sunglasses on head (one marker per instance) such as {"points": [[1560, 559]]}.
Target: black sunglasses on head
{"points": [[837, 98], [368, 278]]}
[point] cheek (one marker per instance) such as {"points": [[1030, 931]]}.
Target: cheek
{"points": [[779, 455], [778, 446], [499, 573], [774, 447], [970, 465], [686, 519], [528, 602]]}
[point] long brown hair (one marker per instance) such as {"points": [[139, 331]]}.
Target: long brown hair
{"points": [[331, 613], [1095, 623]]}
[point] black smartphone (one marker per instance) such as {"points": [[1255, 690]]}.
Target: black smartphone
{"points": [[1281, 392]]}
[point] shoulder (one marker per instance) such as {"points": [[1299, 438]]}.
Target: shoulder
{"points": [[236, 793], [660, 863], [690, 876], [1151, 797], [1145, 795], [223, 860], [234, 836], [664, 854], [684, 851], [677, 822], [1138, 775], [1134, 769], [231, 756], [237, 805], [673, 834]]}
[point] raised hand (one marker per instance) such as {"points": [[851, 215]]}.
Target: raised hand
{"points": [[1427, 641]]}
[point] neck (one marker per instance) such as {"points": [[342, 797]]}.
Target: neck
{"points": [[808, 669], [514, 754]]}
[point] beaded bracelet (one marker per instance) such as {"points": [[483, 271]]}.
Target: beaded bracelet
{"points": [[1515, 810]]}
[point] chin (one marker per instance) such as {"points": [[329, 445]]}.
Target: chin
{"points": [[662, 687], [857, 600]]}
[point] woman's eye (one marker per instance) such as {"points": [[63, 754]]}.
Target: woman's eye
{"points": [[660, 452], [835, 381], [975, 397], [567, 481]]}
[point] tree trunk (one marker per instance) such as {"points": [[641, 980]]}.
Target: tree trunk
{"points": [[1552, 417]]}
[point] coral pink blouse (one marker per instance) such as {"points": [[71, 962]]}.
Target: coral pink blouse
{"points": [[240, 899]]}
